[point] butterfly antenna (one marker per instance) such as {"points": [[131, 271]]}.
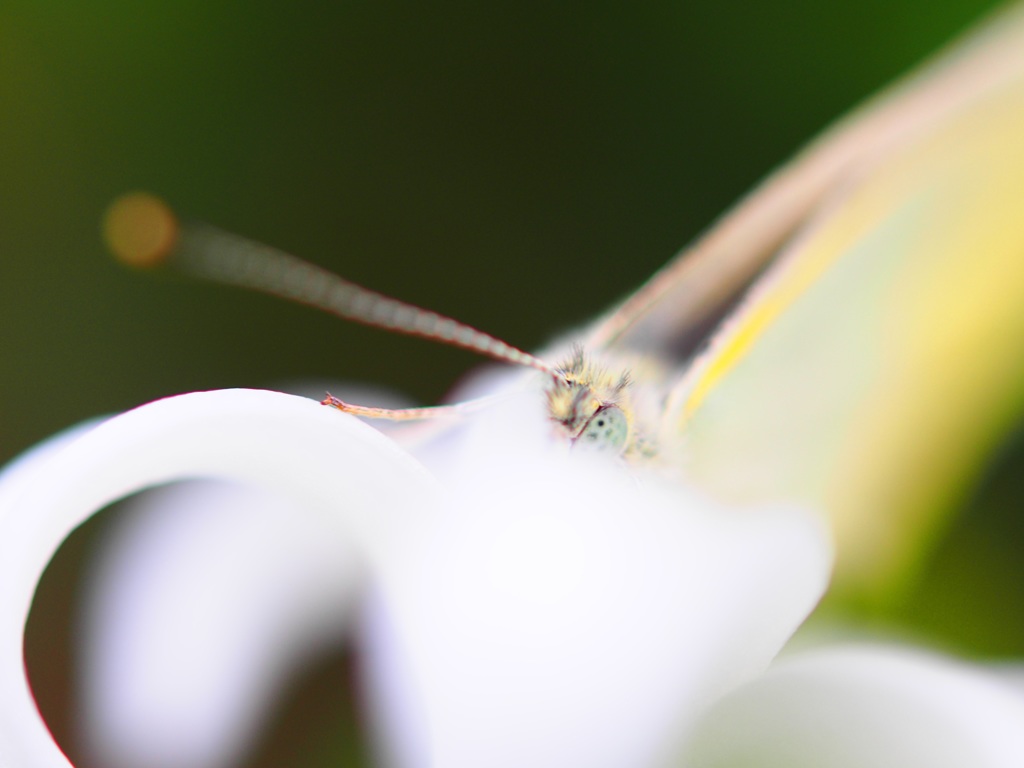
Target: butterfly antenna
{"points": [[142, 230]]}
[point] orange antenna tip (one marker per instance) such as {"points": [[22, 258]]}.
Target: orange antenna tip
{"points": [[140, 229]]}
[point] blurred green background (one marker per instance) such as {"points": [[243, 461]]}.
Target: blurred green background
{"points": [[517, 165]]}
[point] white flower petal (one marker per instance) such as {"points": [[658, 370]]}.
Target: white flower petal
{"points": [[563, 613], [328, 464], [1012, 674], [20, 472], [260, 587], [866, 706]]}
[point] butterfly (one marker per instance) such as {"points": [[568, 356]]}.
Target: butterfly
{"points": [[846, 335]]}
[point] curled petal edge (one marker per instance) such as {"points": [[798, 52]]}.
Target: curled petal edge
{"points": [[331, 464]]}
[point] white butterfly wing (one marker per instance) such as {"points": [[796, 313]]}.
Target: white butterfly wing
{"points": [[880, 358], [672, 312]]}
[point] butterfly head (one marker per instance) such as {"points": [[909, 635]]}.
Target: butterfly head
{"points": [[591, 406]]}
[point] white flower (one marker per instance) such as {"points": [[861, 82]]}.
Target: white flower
{"points": [[529, 607], [540, 608]]}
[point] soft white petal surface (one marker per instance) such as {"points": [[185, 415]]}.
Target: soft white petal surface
{"points": [[864, 707], [326, 463], [564, 613], [262, 587], [208, 595], [1013, 674]]}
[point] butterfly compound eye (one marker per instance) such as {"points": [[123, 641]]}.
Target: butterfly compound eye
{"points": [[606, 431]]}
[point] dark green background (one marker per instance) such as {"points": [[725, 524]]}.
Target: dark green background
{"points": [[517, 165]]}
